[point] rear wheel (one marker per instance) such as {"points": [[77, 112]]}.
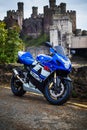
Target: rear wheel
{"points": [[16, 87], [58, 94]]}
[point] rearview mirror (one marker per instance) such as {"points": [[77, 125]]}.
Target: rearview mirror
{"points": [[48, 44]]}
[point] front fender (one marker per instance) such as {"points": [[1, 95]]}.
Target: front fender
{"points": [[67, 79]]}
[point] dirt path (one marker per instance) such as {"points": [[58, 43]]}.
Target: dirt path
{"points": [[33, 112]]}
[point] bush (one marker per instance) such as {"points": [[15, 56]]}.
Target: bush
{"points": [[36, 41], [10, 43]]}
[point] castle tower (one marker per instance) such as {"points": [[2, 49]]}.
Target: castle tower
{"points": [[20, 6], [63, 8], [20, 13], [52, 3], [72, 15], [34, 12]]}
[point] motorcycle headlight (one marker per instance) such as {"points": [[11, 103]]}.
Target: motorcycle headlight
{"points": [[67, 65]]}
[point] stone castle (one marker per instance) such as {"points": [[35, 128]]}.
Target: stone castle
{"points": [[56, 21], [15, 17], [39, 23]]}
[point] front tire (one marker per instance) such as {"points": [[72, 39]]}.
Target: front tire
{"points": [[60, 95]]}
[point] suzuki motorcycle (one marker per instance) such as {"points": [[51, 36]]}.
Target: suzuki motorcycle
{"points": [[47, 74]]}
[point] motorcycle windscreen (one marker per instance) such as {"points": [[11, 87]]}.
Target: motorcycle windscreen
{"points": [[60, 50]]}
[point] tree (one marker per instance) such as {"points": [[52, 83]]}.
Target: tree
{"points": [[3, 37], [10, 43], [14, 44]]}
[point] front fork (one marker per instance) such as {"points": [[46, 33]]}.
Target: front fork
{"points": [[56, 80]]}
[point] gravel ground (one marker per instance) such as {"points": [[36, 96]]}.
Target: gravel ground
{"points": [[33, 112]]}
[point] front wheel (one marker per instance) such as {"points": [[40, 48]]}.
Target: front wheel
{"points": [[58, 94]]}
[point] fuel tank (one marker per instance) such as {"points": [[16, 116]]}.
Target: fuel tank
{"points": [[42, 58]]}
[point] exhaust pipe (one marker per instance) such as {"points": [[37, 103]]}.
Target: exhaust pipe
{"points": [[31, 88], [26, 86], [16, 74]]}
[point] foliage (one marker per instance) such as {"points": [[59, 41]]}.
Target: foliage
{"points": [[10, 43], [3, 38], [36, 41]]}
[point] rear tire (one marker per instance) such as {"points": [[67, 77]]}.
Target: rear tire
{"points": [[60, 96], [16, 87]]}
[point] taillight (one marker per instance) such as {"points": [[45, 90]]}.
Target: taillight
{"points": [[46, 68]]}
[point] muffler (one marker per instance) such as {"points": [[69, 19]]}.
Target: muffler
{"points": [[26, 86], [31, 88], [16, 74]]}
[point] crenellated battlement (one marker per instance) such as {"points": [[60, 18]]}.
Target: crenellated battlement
{"points": [[41, 22], [60, 11], [72, 12], [15, 17], [63, 7], [11, 14]]}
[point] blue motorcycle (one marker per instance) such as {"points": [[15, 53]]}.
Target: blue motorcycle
{"points": [[47, 74]]}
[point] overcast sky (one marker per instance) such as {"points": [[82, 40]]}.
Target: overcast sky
{"points": [[79, 5]]}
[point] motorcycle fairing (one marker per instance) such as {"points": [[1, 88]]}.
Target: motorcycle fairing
{"points": [[55, 62], [39, 75]]}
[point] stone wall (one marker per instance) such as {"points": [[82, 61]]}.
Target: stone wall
{"points": [[33, 28], [38, 23], [58, 11], [61, 32], [15, 17], [79, 42]]}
